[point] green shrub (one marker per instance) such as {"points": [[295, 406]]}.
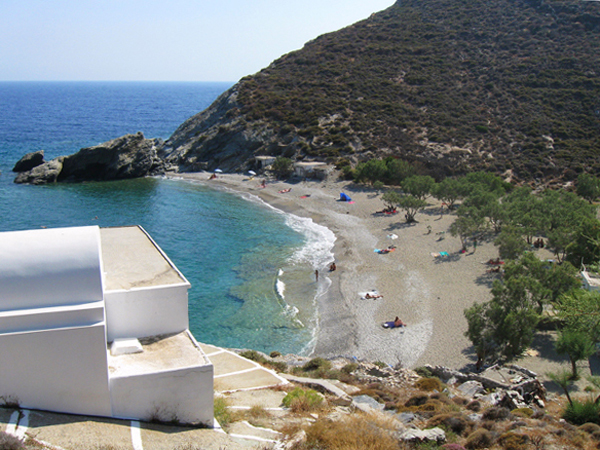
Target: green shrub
{"points": [[316, 364], [274, 354], [579, 413], [424, 372], [349, 368], [300, 400], [254, 356], [522, 412]]}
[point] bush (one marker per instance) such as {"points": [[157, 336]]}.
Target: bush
{"points": [[274, 354], [453, 422], [496, 413], [592, 429], [349, 368], [480, 438], [424, 372], [282, 166], [522, 412], [513, 441], [429, 384], [300, 400], [579, 413], [316, 364]]}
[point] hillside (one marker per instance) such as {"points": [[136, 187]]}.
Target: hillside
{"points": [[454, 84]]}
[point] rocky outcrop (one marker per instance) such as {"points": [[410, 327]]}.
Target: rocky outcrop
{"points": [[219, 138], [129, 156], [42, 174], [29, 161]]}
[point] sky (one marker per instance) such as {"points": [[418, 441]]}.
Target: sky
{"points": [[161, 40]]}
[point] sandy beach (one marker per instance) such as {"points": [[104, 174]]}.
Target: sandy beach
{"points": [[428, 293]]}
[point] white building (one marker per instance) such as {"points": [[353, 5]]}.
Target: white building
{"points": [[95, 322]]}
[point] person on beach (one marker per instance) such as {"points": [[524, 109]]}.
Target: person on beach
{"points": [[374, 295], [397, 323], [316, 275], [474, 244], [332, 267]]}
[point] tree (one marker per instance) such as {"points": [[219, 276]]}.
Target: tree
{"points": [[577, 345], [449, 190], [370, 171], [505, 325], [397, 170], [466, 224], [513, 316], [524, 211], [585, 247], [588, 187], [580, 310], [391, 198], [419, 186], [411, 205], [510, 243], [480, 331], [282, 167], [544, 282], [564, 380]]}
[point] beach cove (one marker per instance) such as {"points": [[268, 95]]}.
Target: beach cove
{"points": [[428, 293]]}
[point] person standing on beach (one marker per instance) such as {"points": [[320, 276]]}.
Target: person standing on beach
{"points": [[474, 244], [316, 275]]}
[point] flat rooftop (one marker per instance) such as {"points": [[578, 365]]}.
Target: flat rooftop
{"points": [[160, 353], [132, 260]]}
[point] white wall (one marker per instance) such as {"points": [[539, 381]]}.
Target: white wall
{"points": [[184, 395], [62, 370], [49, 267], [146, 312], [52, 317]]}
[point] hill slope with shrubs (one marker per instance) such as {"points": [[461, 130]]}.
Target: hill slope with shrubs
{"points": [[456, 85]]}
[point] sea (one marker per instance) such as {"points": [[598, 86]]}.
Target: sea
{"points": [[251, 266]]}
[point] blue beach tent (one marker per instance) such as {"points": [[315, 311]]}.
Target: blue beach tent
{"points": [[344, 197]]}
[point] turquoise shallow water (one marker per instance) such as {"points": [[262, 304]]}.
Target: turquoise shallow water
{"points": [[250, 266]]}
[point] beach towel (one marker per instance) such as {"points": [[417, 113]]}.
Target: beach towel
{"points": [[392, 236], [383, 251]]}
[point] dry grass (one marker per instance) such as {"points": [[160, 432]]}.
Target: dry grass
{"points": [[355, 431]]}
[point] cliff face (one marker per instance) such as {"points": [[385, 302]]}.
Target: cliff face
{"points": [[454, 85]]}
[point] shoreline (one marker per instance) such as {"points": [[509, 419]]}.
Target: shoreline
{"points": [[428, 293]]}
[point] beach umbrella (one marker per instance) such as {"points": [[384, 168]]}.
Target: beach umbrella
{"points": [[252, 172], [218, 171]]}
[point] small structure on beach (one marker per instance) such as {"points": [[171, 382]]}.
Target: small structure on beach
{"points": [[590, 280], [314, 169], [95, 322]]}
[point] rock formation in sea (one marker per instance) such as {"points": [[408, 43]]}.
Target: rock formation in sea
{"points": [[29, 161], [129, 156]]}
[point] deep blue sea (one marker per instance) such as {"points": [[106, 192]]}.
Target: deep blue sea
{"points": [[250, 266]]}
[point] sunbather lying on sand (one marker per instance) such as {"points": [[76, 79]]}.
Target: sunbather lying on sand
{"points": [[369, 295], [395, 324]]}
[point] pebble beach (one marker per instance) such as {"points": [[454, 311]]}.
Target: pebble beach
{"points": [[427, 291]]}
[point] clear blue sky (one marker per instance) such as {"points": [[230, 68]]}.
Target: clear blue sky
{"points": [[161, 40]]}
